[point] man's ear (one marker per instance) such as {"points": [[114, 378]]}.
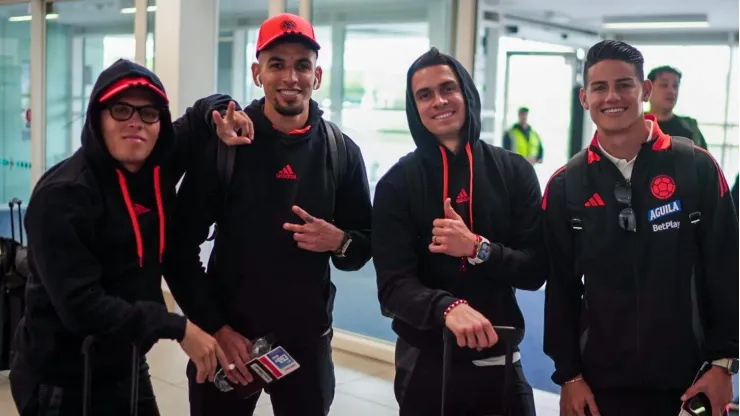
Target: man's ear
{"points": [[319, 73], [582, 97], [647, 90], [256, 74]]}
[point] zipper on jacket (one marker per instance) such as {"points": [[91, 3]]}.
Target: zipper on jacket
{"points": [[636, 275]]}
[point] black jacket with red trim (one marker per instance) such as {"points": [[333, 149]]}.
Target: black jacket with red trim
{"points": [[259, 281], [416, 286], [96, 237], [657, 302]]}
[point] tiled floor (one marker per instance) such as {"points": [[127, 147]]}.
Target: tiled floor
{"points": [[364, 386]]}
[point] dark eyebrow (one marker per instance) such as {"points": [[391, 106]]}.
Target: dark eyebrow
{"points": [[422, 90], [448, 84], [305, 61], [275, 59]]}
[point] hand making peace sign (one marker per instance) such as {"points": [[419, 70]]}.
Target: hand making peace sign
{"points": [[235, 127]]}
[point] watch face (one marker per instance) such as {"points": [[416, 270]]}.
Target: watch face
{"points": [[485, 251]]}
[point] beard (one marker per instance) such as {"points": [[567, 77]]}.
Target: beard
{"points": [[289, 110]]}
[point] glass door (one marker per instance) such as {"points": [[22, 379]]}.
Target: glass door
{"points": [[542, 82]]}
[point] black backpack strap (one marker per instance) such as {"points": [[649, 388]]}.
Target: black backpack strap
{"points": [[225, 156], [576, 182], [683, 157], [337, 151]]}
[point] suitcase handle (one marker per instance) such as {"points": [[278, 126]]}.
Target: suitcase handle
{"points": [[87, 350], [508, 335], [11, 203]]}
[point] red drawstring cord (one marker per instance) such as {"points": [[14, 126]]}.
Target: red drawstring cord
{"points": [[135, 221]]}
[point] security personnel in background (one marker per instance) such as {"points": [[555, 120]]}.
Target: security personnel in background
{"points": [[666, 82], [643, 241], [522, 139]]}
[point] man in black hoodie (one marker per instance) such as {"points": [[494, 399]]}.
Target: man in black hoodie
{"points": [[455, 262], [280, 219], [96, 228]]}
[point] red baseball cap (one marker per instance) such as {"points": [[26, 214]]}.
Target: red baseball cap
{"points": [[285, 24], [126, 83]]}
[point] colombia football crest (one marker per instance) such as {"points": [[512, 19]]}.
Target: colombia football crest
{"points": [[663, 186]]}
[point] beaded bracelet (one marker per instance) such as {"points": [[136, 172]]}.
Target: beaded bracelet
{"points": [[454, 305], [577, 378]]}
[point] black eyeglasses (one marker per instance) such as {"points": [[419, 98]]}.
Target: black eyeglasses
{"points": [[627, 218], [149, 114]]}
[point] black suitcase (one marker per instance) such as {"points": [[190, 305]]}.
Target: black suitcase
{"points": [[14, 272], [507, 335], [87, 350]]}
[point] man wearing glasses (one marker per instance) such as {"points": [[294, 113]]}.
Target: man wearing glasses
{"points": [[643, 241]]}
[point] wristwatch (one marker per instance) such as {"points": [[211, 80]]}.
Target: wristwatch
{"points": [[344, 246], [482, 251], [729, 364]]}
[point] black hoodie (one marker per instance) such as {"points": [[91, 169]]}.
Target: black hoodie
{"points": [[261, 282], [96, 240], [416, 286]]}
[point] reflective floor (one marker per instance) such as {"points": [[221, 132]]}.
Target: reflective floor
{"points": [[364, 386]]}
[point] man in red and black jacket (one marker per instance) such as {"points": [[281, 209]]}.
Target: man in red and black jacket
{"points": [[658, 254]]}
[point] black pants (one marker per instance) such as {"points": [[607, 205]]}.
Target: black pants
{"points": [[473, 390], [35, 398], [309, 391], [638, 402]]}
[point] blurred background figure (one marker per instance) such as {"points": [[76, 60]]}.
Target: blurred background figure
{"points": [[522, 139]]}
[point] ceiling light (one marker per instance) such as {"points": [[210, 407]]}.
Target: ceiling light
{"points": [[694, 21], [50, 16], [132, 10], [656, 25]]}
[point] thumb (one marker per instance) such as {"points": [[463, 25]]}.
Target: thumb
{"points": [[691, 392], [449, 211]]}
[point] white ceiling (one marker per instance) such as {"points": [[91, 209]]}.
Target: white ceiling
{"points": [[723, 14]]}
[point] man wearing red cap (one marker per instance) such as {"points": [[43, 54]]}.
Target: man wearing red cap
{"points": [[96, 227], [296, 198]]}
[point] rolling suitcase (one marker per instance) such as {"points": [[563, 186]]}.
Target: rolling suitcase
{"points": [[87, 350], [506, 335], [14, 272]]}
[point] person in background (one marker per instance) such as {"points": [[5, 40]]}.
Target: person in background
{"points": [[666, 83], [522, 139], [97, 231], [453, 238], [643, 289], [281, 220], [735, 193]]}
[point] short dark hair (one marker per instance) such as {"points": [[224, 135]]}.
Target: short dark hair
{"points": [[614, 50], [665, 69], [432, 57], [523, 110]]}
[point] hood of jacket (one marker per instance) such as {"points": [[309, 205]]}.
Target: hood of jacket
{"points": [[109, 169], [92, 140], [426, 142]]}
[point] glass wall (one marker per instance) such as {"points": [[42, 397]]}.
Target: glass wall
{"points": [[15, 104], [81, 42], [15, 108], [705, 94]]}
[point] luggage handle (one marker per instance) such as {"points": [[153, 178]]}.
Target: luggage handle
{"points": [[507, 335], [11, 203], [87, 350]]}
